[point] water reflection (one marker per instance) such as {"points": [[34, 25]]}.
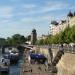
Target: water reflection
{"points": [[15, 69]]}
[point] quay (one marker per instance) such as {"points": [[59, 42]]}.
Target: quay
{"points": [[33, 68], [59, 61]]}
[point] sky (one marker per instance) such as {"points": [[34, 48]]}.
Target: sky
{"points": [[21, 16]]}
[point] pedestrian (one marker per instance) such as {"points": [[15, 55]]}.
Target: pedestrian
{"points": [[62, 48], [39, 68], [45, 69], [31, 70]]}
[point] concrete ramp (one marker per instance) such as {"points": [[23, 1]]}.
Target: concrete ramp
{"points": [[66, 65]]}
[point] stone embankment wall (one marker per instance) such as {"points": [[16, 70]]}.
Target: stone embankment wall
{"points": [[45, 51], [66, 65]]}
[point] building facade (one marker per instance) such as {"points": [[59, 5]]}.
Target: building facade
{"points": [[60, 26]]}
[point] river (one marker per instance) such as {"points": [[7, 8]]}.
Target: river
{"points": [[14, 69]]}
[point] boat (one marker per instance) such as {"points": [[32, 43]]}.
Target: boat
{"points": [[14, 57], [4, 65], [12, 54]]}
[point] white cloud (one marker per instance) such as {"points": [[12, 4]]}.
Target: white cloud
{"points": [[15, 0], [5, 21], [27, 19], [54, 6], [29, 6], [38, 19], [72, 7], [31, 9], [6, 12]]}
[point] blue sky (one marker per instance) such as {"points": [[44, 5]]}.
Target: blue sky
{"points": [[21, 16]]}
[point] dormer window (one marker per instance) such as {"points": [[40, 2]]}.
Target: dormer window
{"points": [[54, 23], [63, 21]]}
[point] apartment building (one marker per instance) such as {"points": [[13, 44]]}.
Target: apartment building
{"points": [[60, 26]]}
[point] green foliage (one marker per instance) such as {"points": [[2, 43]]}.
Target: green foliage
{"points": [[29, 37], [66, 36], [16, 39], [2, 41], [40, 42], [72, 34]]}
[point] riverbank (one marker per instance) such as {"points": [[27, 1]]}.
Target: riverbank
{"points": [[33, 68], [66, 65]]}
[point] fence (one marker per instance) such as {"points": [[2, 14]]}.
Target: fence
{"points": [[67, 48]]}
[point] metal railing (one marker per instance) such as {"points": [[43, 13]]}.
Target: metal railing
{"points": [[67, 49]]}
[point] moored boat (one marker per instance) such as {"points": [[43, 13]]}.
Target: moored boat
{"points": [[12, 54], [4, 65]]}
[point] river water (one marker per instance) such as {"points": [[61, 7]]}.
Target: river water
{"points": [[14, 69]]}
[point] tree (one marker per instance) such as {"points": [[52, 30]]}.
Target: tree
{"points": [[16, 39], [40, 42], [9, 41], [2, 41], [66, 36], [28, 37], [55, 39], [72, 34], [23, 39]]}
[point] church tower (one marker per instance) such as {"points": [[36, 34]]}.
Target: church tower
{"points": [[33, 37]]}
